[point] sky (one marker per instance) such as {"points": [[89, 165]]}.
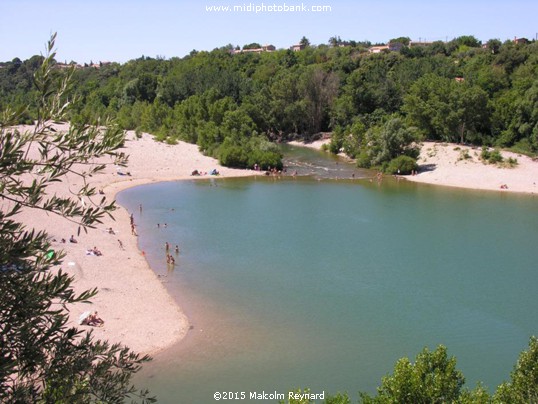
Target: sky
{"points": [[121, 30]]}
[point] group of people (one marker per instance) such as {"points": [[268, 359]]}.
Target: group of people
{"points": [[72, 239], [212, 172], [94, 251], [89, 251], [169, 258], [91, 319]]}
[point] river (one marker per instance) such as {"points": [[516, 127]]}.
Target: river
{"points": [[325, 280]]}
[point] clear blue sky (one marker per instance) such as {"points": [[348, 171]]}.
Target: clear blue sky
{"points": [[120, 30]]}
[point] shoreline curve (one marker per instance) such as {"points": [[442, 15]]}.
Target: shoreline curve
{"points": [[137, 309]]}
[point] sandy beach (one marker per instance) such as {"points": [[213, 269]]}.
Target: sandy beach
{"points": [[442, 164], [135, 306]]}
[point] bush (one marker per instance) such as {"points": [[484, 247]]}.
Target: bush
{"points": [[464, 155], [403, 165], [233, 156], [335, 145], [511, 162], [492, 157], [523, 146], [363, 160], [265, 159]]}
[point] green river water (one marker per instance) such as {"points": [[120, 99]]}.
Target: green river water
{"points": [[324, 283]]}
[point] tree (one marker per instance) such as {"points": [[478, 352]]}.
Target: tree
{"points": [[253, 45], [335, 41], [432, 378], [446, 109], [319, 89], [523, 386], [494, 45], [383, 143], [404, 40], [41, 358], [304, 42]]}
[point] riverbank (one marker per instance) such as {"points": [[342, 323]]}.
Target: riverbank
{"points": [[135, 306], [459, 166]]}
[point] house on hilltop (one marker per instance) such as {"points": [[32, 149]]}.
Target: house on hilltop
{"points": [[521, 41], [298, 47], [264, 48], [414, 44], [378, 48]]}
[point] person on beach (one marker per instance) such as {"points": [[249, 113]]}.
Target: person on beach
{"points": [[91, 319], [177, 249], [133, 229], [94, 320], [167, 246], [170, 260], [121, 244], [72, 239]]}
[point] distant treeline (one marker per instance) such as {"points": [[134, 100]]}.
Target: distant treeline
{"points": [[235, 105]]}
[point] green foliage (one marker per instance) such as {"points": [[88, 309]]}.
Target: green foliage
{"points": [[523, 384], [432, 378], [253, 45], [384, 142], [492, 157], [247, 153], [404, 40], [511, 162], [42, 359], [337, 141], [523, 147], [448, 110], [285, 94], [233, 155], [403, 165]]}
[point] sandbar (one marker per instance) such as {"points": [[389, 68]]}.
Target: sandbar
{"points": [[461, 166], [136, 308]]}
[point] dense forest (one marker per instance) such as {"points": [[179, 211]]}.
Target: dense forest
{"points": [[235, 104]]}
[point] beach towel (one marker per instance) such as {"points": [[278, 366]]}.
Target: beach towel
{"points": [[82, 320]]}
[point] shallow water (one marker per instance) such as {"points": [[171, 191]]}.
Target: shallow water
{"points": [[293, 283]]}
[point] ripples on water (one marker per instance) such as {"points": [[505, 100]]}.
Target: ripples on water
{"points": [[320, 165]]}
